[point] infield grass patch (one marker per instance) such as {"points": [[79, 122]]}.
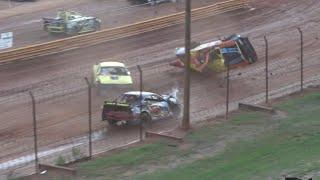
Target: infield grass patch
{"points": [[252, 145]]}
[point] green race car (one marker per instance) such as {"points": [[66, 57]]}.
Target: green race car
{"points": [[111, 76]]}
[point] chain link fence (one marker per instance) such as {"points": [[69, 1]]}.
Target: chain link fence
{"points": [[64, 117]]}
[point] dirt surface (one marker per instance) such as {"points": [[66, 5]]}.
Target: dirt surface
{"points": [[25, 19], [58, 84]]}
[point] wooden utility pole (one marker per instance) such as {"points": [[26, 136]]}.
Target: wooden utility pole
{"points": [[186, 107]]}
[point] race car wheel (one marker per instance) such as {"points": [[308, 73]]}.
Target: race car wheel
{"points": [[111, 122], [74, 31], [103, 116], [146, 119], [97, 26], [176, 110]]}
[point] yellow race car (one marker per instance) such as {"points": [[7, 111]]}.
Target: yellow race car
{"points": [[112, 76]]}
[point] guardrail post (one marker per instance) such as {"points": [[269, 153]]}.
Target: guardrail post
{"points": [[267, 69], [35, 132], [301, 58], [140, 100], [89, 116], [186, 108]]}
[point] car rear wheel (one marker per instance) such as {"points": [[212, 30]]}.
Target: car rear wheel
{"points": [[176, 110], [97, 26], [74, 31], [111, 124], [146, 119]]}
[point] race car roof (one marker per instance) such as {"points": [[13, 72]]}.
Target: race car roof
{"points": [[181, 50], [111, 64], [137, 93], [207, 45]]}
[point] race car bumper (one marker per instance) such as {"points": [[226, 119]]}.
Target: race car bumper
{"points": [[53, 29], [120, 119], [126, 87]]}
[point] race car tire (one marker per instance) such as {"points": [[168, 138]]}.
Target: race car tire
{"points": [[96, 26], [74, 31], [176, 111], [146, 119], [103, 116], [111, 123]]}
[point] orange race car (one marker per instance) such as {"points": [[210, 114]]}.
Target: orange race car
{"points": [[215, 56]]}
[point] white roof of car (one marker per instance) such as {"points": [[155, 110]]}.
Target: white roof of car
{"points": [[80, 18], [207, 45], [111, 64], [137, 93], [181, 50]]}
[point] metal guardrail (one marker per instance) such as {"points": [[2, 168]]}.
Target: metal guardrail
{"points": [[66, 44]]}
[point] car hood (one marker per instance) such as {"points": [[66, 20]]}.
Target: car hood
{"points": [[114, 79]]}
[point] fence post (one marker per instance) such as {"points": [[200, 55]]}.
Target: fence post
{"points": [[228, 91], [35, 132], [140, 97], [90, 115], [301, 58], [267, 69]]}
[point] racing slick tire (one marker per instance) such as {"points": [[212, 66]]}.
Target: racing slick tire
{"points": [[111, 123], [74, 31], [146, 119], [176, 111], [97, 26]]}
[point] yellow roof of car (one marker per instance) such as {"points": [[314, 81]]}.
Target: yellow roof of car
{"points": [[111, 64]]}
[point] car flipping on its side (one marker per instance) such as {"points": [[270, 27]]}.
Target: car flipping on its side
{"points": [[216, 56], [130, 107], [111, 76]]}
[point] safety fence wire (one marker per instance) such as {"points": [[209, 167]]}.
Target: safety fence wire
{"points": [[59, 120], [62, 105], [16, 137]]}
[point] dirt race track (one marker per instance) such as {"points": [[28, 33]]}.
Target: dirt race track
{"points": [[58, 84], [25, 19]]}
